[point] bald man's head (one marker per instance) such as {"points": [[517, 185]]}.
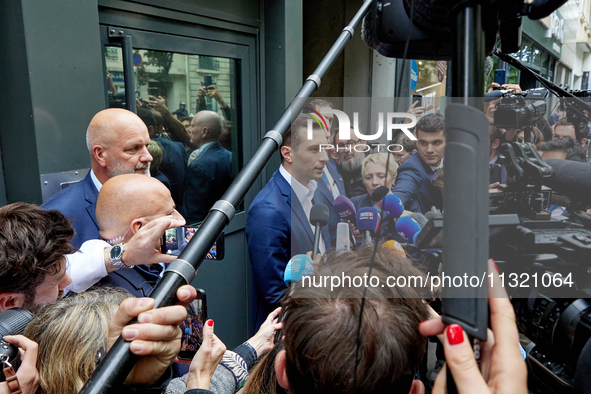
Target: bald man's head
{"points": [[127, 202], [205, 127], [117, 140]]}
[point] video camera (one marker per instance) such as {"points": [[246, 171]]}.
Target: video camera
{"points": [[514, 111], [545, 261]]}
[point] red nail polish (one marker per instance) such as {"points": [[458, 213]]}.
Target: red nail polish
{"points": [[455, 334], [210, 322], [495, 264]]}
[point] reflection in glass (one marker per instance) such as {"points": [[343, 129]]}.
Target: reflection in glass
{"points": [[200, 151]]}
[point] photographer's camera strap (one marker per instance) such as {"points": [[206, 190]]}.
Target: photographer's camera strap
{"points": [[11, 378]]}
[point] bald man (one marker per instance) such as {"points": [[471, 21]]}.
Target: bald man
{"points": [[117, 141], [125, 204], [209, 171]]}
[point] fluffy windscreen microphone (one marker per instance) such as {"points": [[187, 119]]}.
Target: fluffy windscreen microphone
{"points": [[571, 179]]}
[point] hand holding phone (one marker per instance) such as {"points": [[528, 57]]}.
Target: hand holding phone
{"points": [[192, 327]]}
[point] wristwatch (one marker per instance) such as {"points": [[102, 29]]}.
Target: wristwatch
{"points": [[115, 255]]}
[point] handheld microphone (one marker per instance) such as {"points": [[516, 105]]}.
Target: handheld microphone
{"points": [[419, 218], [368, 222], [393, 207], [378, 195], [414, 241], [318, 219], [298, 266], [407, 227], [344, 209], [343, 242], [395, 247]]}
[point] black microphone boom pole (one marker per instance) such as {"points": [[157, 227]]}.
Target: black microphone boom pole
{"points": [[119, 361]]}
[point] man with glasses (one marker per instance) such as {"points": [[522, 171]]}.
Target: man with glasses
{"points": [[414, 184], [351, 154]]}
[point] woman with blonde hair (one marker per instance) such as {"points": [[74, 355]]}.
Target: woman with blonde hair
{"points": [[72, 337], [375, 174]]}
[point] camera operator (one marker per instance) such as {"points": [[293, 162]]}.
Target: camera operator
{"points": [[563, 128]]}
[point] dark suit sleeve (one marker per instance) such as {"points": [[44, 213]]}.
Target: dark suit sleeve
{"points": [[267, 233], [407, 185], [197, 185]]}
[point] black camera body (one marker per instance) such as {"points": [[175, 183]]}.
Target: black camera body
{"points": [[12, 322], [514, 112]]}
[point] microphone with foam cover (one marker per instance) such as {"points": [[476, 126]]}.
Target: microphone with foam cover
{"points": [[298, 266], [571, 179], [393, 207], [318, 219], [344, 209], [407, 227], [378, 195], [368, 222], [395, 247]]}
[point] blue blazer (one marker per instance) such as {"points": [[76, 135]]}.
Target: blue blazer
{"points": [[414, 186], [206, 180], [78, 203], [174, 164], [273, 238], [333, 168]]}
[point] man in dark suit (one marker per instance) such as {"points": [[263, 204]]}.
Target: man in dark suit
{"points": [[414, 183], [117, 140], [125, 204], [278, 225], [351, 154], [210, 173], [174, 157]]}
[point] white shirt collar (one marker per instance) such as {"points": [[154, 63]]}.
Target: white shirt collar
{"points": [[95, 180], [285, 174], [494, 160], [437, 167]]}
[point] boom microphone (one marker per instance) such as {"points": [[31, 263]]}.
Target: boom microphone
{"points": [[571, 179], [344, 209], [368, 222], [318, 219]]}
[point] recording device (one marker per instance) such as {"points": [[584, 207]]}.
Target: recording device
{"points": [[192, 327], [174, 240], [500, 78], [343, 241], [419, 98], [318, 219], [514, 112], [393, 207], [298, 266], [12, 322], [152, 91], [368, 223], [207, 80]]}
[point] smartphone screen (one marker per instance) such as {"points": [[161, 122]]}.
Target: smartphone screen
{"points": [[192, 327], [174, 241], [153, 92], [419, 98]]}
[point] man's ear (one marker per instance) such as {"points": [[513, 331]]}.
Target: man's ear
{"points": [[417, 387], [136, 225], [286, 153], [11, 300], [99, 155], [280, 370], [151, 130], [583, 141], [496, 144]]}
